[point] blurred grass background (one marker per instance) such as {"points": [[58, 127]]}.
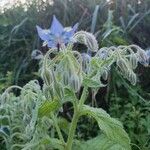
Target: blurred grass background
{"points": [[114, 22]]}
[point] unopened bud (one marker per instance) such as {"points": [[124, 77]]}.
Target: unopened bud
{"points": [[48, 92], [88, 39], [132, 78], [133, 61], [143, 58], [85, 62], [75, 83], [105, 75], [58, 90], [102, 53], [121, 63], [66, 78], [47, 76]]}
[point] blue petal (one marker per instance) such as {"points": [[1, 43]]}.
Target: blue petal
{"points": [[52, 44], [75, 27], [66, 40], [67, 35], [56, 27], [72, 31], [43, 34]]}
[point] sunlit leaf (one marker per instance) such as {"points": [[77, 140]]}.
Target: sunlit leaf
{"points": [[47, 107], [111, 127], [98, 143], [92, 83]]}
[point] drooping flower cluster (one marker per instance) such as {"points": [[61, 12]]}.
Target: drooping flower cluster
{"points": [[73, 69], [64, 68]]}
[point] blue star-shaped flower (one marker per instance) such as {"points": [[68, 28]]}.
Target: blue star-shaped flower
{"points": [[57, 34]]}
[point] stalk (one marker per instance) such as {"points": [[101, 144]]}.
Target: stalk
{"points": [[75, 118], [57, 128], [83, 96], [72, 130]]}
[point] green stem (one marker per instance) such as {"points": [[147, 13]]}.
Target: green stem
{"points": [[57, 128], [72, 130], [108, 89], [83, 96], [75, 118]]}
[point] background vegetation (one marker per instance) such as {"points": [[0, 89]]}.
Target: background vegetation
{"points": [[114, 22]]}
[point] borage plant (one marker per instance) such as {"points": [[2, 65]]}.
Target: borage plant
{"points": [[33, 121]]}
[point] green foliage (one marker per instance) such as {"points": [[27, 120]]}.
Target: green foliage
{"points": [[118, 23], [136, 105], [32, 119], [47, 107], [97, 143], [5, 81], [111, 127], [91, 83]]}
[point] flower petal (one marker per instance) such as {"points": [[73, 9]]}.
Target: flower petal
{"points": [[52, 44], [75, 27], [56, 27], [43, 34], [68, 33]]}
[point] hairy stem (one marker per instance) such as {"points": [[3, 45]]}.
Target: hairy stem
{"points": [[72, 130], [57, 128], [75, 118], [83, 96]]}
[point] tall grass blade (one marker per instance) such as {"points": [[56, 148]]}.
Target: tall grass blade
{"points": [[94, 18]]}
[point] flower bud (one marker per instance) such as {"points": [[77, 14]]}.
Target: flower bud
{"points": [[148, 53], [48, 92], [85, 62], [47, 76], [105, 75], [58, 90], [102, 53], [122, 64], [143, 58], [66, 78], [75, 83], [133, 61], [88, 39], [132, 77]]}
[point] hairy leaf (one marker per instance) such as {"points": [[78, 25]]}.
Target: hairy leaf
{"points": [[69, 96], [112, 128], [92, 83], [47, 107], [100, 142]]}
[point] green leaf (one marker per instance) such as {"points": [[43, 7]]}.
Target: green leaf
{"points": [[100, 142], [47, 142], [91, 83], [63, 124], [94, 18], [47, 107], [53, 143], [109, 32], [111, 127], [69, 95]]}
